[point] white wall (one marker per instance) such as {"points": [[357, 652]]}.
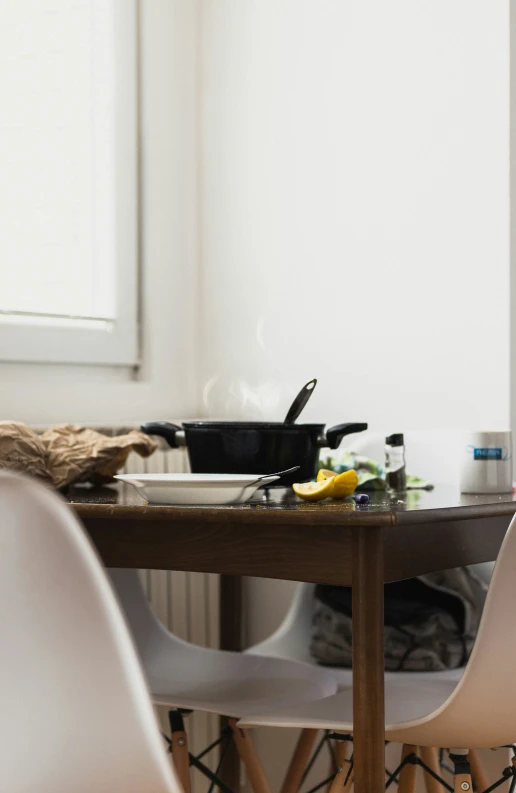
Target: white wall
{"points": [[167, 383], [355, 207], [354, 216], [355, 221]]}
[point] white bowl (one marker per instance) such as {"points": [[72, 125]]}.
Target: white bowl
{"points": [[195, 488]]}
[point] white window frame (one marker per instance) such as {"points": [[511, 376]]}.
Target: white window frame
{"points": [[85, 340]]}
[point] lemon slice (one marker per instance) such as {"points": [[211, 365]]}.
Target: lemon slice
{"points": [[324, 473], [314, 491], [328, 485], [344, 484]]}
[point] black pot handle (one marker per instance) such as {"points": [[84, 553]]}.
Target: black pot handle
{"points": [[165, 430], [335, 434]]}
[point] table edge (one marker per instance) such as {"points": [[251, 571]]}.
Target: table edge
{"points": [[260, 517]]}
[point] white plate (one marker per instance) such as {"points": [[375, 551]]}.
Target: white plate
{"points": [[195, 488]]}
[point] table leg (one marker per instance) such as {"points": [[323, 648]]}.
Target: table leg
{"points": [[230, 633], [368, 660]]}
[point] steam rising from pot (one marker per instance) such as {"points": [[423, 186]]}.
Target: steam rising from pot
{"points": [[237, 400]]}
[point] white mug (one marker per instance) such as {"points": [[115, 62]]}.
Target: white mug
{"points": [[486, 462]]}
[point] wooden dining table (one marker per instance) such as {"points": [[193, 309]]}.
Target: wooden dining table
{"points": [[275, 535]]}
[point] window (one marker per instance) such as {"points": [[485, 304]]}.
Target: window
{"points": [[68, 192]]}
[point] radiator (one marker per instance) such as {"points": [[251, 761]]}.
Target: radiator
{"points": [[188, 604]]}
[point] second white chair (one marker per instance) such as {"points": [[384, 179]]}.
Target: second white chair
{"points": [[434, 710], [183, 676], [292, 638]]}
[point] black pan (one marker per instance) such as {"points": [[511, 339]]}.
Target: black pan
{"points": [[252, 447]]}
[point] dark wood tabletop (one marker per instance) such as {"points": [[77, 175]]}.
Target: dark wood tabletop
{"points": [[280, 503], [277, 535]]}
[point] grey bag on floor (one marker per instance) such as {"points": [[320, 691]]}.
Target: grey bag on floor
{"points": [[430, 622]]}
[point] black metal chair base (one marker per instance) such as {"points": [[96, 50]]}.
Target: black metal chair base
{"points": [[175, 718]]}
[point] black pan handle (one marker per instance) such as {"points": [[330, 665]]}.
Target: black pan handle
{"points": [[165, 429], [335, 434]]}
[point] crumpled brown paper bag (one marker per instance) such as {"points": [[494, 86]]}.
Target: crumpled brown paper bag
{"points": [[21, 449], [67, 453]]}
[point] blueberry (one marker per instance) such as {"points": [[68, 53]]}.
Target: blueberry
{"points": [[362, 498]]}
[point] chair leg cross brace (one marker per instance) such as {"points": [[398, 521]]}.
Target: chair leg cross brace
{"points": [[462, 773], [413, 759], [209, 774], [507, 773], [183, 759]]}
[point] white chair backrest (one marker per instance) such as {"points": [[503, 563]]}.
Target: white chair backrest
{"points": [[488, 685], [150, 635], [76, 714], [292, 637], [157, 646]]}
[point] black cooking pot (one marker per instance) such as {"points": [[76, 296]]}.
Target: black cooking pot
{"points": [[252, 447]]}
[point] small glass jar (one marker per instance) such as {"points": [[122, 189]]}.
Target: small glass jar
{"points": [[395, 473]]}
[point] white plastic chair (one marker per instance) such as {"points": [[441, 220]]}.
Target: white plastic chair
{"points": [[477, 712], [188, 677], [76, 714], [433, 455]]}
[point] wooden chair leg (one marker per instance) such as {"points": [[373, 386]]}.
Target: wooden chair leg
{"points": [[407, 777], [340, 754], [462, 783], [430, 756], [299, 761], [179, 745], [344, 778], [340, 749], [250, 759], [462, 777], [478, 774]]}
